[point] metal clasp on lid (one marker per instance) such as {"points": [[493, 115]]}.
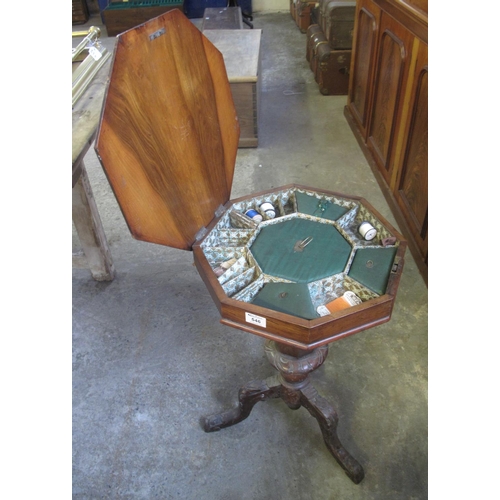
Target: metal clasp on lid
{"points": [[156, 34], [395, 265]]}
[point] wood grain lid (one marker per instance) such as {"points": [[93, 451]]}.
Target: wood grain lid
{"points": [[168, 135]]}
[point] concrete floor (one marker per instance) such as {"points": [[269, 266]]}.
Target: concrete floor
{"points": [[150, 357]]}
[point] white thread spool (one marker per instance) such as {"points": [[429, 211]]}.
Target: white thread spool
{"points": [[367, 231], [268, 209]]}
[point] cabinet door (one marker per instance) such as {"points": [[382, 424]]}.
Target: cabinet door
{"points": [[411, 183], [363, 63], [394, 53]]}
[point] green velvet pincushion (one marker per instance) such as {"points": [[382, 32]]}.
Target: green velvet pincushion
{"points": [[327, 253], [311, 205], [372, 266], [289, 298]]}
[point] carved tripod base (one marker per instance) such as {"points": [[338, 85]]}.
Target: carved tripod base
{"points": [[293, 386]]}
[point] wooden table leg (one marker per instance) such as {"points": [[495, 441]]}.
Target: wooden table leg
{"points": [[248, 396], [90, 231], [327, 419], [293, 386]]}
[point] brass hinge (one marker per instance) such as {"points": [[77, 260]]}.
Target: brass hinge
{"points": [[220, 210], [200, 234], [203, 231]]}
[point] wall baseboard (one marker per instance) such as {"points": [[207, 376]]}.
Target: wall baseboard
{"points": [[270, 5]]}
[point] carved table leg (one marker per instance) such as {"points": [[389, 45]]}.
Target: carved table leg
{"points": [[327, 419], [293, 386], [294, 367], [249, 395]]}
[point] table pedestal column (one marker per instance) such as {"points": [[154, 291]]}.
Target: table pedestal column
{"points": [[293, 386]]}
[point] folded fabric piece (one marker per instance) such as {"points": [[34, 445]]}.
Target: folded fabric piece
{"points": [[371, 267], [289, 298], [310, 205]]}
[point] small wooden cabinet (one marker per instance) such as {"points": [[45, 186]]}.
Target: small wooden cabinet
{"points": [[241, 52], [387, 108]]}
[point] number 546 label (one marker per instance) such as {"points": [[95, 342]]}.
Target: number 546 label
{"points": [[255, 320]]}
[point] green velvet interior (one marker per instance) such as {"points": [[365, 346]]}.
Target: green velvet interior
{"points": [[326, 255], [290, 298], [372, 266], [310, 205]]}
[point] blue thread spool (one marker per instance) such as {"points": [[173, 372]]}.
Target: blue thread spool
{"points": [[254, 215]]}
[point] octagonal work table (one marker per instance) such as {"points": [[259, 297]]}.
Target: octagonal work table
{"points": [[167, 141]]}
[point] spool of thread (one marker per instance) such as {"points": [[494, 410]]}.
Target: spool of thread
{"points": [[241, 221], [219, 271], [224, 266], [268, 209], [367, 231], [254, 215], [349, 299]]}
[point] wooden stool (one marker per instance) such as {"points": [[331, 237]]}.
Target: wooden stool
{"points": [[96, 255]]}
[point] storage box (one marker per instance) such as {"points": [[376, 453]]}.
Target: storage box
{"points": [[301, 12], [226, 18], [168, 141], [332, 70], [122, 16], [325, 266], [80, 12], [195, 8], [338, 23], [241, 52]]}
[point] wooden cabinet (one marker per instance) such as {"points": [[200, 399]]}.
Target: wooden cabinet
{"points": [[410, 186], [242, 57], [123, 15], [80, 12], [366, 24], [387, 108]]}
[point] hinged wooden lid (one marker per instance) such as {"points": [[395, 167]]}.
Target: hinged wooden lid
{"points": [[169, 133]]}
